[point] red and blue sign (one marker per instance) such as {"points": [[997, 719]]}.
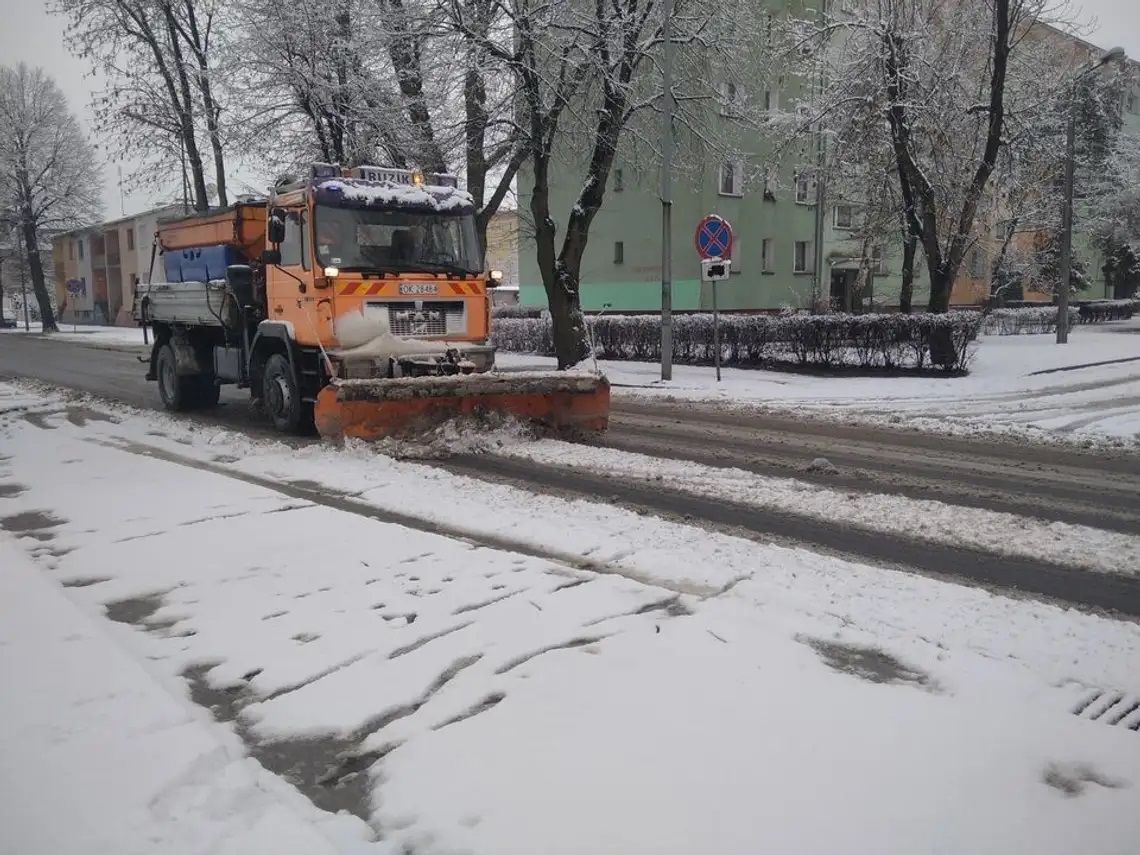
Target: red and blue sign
{"points": [[714, 237]]}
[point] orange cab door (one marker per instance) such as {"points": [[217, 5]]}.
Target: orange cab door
{"points": [[290, 287]]}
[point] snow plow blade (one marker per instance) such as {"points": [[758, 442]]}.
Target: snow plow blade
{"points": [[564, 403]]}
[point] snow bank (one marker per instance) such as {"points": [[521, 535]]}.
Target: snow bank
{"points": [[991, 531]]}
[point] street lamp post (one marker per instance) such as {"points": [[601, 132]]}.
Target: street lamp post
{"points": [[1113, 55], [667, 193]]}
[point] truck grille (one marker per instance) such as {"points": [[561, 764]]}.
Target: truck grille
{"points": [[425, 318]]}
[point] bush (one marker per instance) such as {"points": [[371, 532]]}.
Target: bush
{"points": [[882, 341], [515, 312], [1027, 320], [1100, 311]]}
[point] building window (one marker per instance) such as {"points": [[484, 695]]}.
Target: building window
{"points": [[975, 264], [766, 248], [130, 238], [1130, 102], [732, 178], [619, 182], [771, 100], [844, 217], [730, 95], [619, 252], [80, 245], [71, 249], [805, 187], [803, 259], [879, 265]]}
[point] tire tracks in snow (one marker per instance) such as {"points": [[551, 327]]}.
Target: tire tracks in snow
{"points": [[1075, 586], [320, 495]]}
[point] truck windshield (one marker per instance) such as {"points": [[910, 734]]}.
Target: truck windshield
{"points": [[355, 238]]}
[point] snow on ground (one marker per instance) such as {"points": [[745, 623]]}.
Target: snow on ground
{"points": [[991, 531], [999, 395], [96, 336], [98, 756], [702, 694]]}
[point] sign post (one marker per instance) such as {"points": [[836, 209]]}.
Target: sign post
{"points": [[75, 287], [714, 245]]}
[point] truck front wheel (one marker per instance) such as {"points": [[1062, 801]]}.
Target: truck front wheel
{"points": [[281, 397]]}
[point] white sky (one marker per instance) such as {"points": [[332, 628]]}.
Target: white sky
{"points": [[29, 34]]}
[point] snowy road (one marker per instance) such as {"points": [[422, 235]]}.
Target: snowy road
{"points": [[872, 502], [360, 628]]}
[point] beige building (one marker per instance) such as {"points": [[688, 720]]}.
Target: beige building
{"points": [[97, 267]]}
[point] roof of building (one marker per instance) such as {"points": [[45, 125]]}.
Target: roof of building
{"points": [[108, 224]]}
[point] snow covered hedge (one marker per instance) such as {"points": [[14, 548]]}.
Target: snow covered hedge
{"points": [[515, 312], [829, 341], [1027, 320], [1032, 320], [1099, 311]]}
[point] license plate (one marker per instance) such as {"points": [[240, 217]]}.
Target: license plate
{"points": [[415, 288]]}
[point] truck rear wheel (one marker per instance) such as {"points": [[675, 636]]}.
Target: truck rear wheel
{"points": [[282, 399], [177, 392], [183, 392]]}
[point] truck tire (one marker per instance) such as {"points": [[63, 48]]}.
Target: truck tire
{"points": [[177, 392], [282, 399]]}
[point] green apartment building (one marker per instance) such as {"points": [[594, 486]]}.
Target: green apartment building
{"points": [[774, 255]]}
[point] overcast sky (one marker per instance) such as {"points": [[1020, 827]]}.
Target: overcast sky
{"points": [[29, 34]]}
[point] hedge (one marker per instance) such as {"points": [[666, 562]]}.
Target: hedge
{"points": [[515, 312], [1100, 311], [1028, 320], [874, 341], [1031, 320]]}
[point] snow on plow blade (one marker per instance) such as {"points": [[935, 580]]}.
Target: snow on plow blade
{"points": [[563, 402]]}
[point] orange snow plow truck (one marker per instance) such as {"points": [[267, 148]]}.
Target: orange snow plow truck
{"points": [[355, 299]]}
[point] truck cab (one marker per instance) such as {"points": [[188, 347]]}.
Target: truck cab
{"points": [[378, 242]]}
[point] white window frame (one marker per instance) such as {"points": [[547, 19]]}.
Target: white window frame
{"points": [[850, 217], [729, 101], [737, 166], [975, 263], [808, 257], [619, 252], [619, 180], [805, 179], [767, 255]]}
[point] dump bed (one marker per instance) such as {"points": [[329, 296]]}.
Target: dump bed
{"points": [[240, 226]]}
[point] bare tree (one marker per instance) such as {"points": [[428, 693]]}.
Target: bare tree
{"points": [[157, 56], [583, 74], [49, 179], [932, 79]]}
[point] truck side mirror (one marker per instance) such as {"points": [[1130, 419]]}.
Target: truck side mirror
{"points": [[277, 225], [239, 278]]}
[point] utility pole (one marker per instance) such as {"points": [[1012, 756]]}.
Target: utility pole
{"points": [[820, 189], [1067, 226], [1117, 53], [667, 194], [23, 286]]}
